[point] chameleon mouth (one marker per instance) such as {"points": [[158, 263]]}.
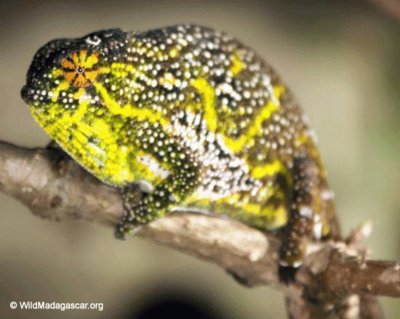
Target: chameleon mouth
{"points": [[27, 94], [35, 97]]}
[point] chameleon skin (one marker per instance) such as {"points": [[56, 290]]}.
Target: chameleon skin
{"points": [[194, 117]]}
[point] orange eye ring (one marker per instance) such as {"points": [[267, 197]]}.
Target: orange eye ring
{"points": [[80, 69]]}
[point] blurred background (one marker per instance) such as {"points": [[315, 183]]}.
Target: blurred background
{"points": [[341, 59]]}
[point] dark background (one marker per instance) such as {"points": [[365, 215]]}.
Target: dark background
{"points": [[341, 59]]}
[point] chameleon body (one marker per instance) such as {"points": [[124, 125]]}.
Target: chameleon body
{"points": [[194, 117]]}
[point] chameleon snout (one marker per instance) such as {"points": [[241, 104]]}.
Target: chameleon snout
{"points": [[27, 94]]}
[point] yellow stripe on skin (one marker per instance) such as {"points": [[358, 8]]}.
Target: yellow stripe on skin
{"points": [[237, 201], [211, 117], [237, 65], [209, 102], [104, 70], [143, 171], [129, 111], [78, 94], [277, 217], [121, 70], [56, 73], [115, 168], [265, 216], [63, 86], [268, 169], [247, 139], [91, 60]]}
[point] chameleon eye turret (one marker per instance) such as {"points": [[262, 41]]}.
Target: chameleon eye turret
{"points": [[80, 68], [193, 115]]}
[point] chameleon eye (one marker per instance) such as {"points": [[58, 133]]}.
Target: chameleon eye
{"points": [[80, 68]]}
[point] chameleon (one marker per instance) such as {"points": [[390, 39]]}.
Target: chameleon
{"points": [[193, 117]]}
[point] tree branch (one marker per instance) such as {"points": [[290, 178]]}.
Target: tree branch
{"points": [[335, 282]]}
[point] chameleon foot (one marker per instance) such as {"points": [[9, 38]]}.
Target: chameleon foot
{"points": [[291, 257], [124, 229], [129, 224]]}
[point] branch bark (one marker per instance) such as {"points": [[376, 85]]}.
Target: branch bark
{"points": [[337, 281]]}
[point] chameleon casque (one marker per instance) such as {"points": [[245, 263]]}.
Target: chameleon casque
{"points": [[194, 117]]}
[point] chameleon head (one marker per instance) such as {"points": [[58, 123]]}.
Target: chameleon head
{"points": [[65, 70], [63, 89]]}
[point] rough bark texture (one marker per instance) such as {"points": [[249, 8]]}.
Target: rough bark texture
{"points": [[337, 280]]}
